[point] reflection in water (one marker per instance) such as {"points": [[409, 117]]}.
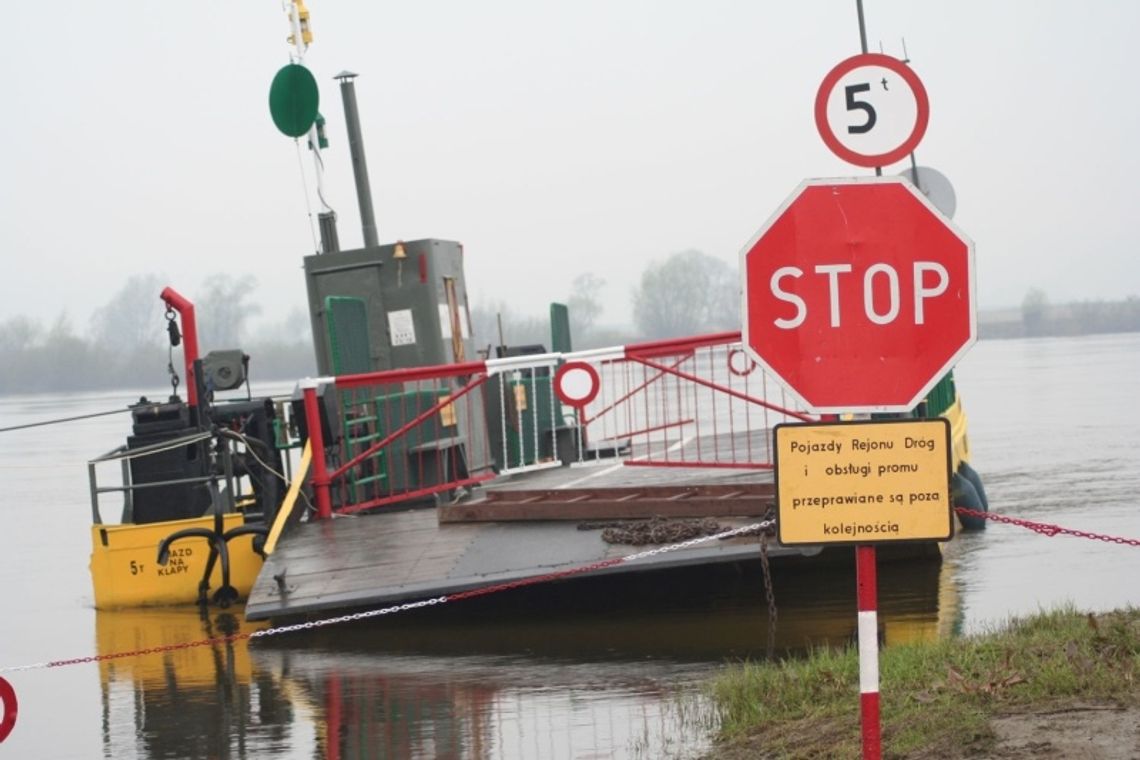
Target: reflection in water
{"points": [[190, 702], [585, 669]]}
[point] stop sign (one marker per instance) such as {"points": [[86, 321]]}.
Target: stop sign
{"points": [[858, 295]]}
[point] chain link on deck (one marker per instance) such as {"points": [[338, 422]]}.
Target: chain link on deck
{"points": [[1047, 529]]}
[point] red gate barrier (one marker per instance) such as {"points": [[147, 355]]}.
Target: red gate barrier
{"points": [[413, 433], [687, 402]]}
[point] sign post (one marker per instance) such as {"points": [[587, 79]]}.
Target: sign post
{"points": [[859, 297], [864, 483], [867, 600], [871, 110]]}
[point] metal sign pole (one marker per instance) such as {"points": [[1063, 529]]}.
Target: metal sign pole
{"points": [[868, 591], [867, 595], [866, 580]]}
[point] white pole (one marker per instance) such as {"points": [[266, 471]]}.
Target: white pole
{"points": [[318, 164]]}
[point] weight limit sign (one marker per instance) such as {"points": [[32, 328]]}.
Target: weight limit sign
{"points": [[871, 110]]}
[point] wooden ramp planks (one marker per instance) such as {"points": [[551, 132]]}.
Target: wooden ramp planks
{"points": [[351, 564], [740, 500]]}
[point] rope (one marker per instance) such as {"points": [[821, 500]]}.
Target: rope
{"points": [[250, 449], [177, 443], [62, 419], [305, 192]]}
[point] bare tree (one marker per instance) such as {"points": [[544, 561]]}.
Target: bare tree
{"points": [[689, 292], [1035, 312], [132, 319], [17, 334], [518, 330], [223, 310], [584, 304]]}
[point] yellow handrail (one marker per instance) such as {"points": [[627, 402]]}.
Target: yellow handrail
{"points": [[290, 501]]}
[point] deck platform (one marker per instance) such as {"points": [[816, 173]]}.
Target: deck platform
{"points": [[512, 528]]}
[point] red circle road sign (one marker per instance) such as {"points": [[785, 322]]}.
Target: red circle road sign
{"points": [[871, 110], [576, 383], [858, 295]]}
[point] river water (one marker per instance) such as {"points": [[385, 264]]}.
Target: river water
{"points": [[598, 673]]}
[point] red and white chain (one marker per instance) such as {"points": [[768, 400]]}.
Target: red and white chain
{"points": [[1047, 529], [356, 616]]}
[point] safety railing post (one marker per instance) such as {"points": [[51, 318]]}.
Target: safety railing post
{"points": [[317, 444]]}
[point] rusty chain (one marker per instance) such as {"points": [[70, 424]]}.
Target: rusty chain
{"points": [[1047, 529], [770, 593]]}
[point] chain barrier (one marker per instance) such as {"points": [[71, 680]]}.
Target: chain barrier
{"points": [[324, 622], [769, 593], [1047, 529], [8, 695]]}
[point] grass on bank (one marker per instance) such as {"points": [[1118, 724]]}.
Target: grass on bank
{"points": [[937, 698]]}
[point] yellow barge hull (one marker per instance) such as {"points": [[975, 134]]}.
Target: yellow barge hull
{"points": [[125, 571]]}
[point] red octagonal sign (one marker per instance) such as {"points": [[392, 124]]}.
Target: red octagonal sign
{"points": [[858, 295]]}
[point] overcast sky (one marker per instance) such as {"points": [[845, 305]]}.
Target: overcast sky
{"points": [[550, 138]]}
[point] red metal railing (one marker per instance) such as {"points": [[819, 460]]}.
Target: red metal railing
{"points": [[689, 402], [413, 433], [398, 436]]}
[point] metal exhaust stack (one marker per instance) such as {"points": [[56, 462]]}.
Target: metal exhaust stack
{"points": [[330, 242], [359, 163]]}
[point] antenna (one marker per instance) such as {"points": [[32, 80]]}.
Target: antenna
{"points": [[301, 38], [913, 162]]}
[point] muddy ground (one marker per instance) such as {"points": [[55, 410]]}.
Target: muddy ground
{"points": [[1087, 731], [1079, 730]]}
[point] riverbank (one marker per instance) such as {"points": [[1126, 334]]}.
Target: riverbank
{"points": [[1057, 684]]}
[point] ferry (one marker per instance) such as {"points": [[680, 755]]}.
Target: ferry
{"points": [[439, 476], [425, 460]]}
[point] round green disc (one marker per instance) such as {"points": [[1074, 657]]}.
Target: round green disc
{"points": [[293, 100]]}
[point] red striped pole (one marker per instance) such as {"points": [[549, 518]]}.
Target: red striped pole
{"points": [[320, 477], [868, 592]]}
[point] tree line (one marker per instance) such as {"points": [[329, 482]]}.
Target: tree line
{"points": [[686, 293], [125, 343], [1038, 317]]}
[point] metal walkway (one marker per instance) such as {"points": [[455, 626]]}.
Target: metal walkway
{"points": [[514, 528]]}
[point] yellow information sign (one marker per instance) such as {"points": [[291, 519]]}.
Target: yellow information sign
{"points": [[863, 482]]}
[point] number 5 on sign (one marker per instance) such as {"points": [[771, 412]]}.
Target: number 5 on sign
{"points": [[871, 110]]}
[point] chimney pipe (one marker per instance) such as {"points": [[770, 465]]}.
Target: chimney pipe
{"points": [[359, 164]]}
